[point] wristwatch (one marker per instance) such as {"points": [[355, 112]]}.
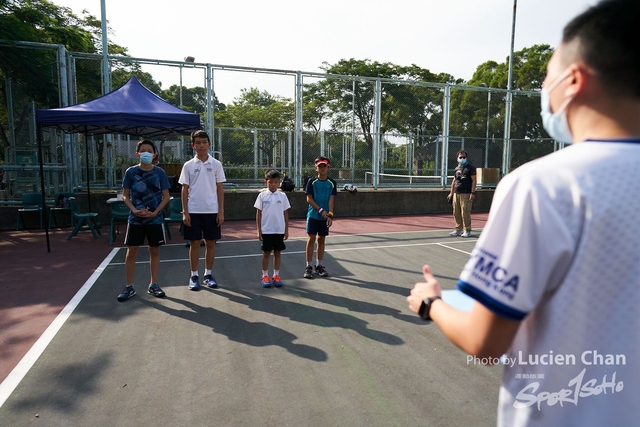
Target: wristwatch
{"points": [[425, 308]]}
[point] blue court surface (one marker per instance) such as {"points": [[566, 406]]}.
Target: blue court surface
{"points": [[338, 351]]}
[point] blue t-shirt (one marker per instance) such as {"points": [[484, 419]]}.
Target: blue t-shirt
{"points": [[321, 191], [145, 190]]}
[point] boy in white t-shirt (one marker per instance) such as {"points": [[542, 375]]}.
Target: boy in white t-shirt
{"points": [[202, 207], [272, 221]]}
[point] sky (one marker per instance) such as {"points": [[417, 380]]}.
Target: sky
{"points": [[451, 36]]}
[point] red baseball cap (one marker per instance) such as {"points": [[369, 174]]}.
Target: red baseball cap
{"points": [[322, 162]]}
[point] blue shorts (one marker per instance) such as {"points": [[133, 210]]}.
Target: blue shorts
{"points": [[316, 226], [203, 226]]}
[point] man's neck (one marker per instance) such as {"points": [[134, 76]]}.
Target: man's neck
{"points": [[203, 158], [145, 167]]}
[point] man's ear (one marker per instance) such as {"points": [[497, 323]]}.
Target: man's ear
{"points": [[576, 80]]}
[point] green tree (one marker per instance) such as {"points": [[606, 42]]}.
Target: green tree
{"points": [[262, 111]]}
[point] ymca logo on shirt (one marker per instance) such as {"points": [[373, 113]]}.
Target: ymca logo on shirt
{"points": [[484, 268]]}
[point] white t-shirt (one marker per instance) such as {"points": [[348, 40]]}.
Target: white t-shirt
{"points": [[272, 206], [561, 253], [202, 179]]}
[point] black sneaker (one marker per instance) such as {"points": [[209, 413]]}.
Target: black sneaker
{"points": [[308, 272], [126, 293], [320, 271], [155, 290]]}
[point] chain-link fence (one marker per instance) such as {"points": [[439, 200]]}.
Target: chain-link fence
{"points": [[378, 132]]}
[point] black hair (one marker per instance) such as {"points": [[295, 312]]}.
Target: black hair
{"points": [[461, 152], [199, 134], [607, 40], [147, 142], [271, 174]]}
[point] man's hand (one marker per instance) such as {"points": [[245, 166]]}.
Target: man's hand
{"points": [[429, 288]]}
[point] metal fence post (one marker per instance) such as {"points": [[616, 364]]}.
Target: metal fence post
{"points": [[445, 135], [376, 134]]}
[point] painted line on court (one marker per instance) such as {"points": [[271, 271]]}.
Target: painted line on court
{"points": [[326, 250], [26, 363], [455, 249]]}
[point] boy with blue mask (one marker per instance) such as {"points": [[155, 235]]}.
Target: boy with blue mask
{"points": [[463, 192], [145, 192], [552, 273]]}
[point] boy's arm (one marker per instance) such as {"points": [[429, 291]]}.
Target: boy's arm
{"points": [[165, 199], [259, 223], [220, 194], [184, 194], [286, 224], [315, 206]]}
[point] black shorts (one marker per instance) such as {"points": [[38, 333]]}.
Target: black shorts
{"points": [[136, 234], [272, 242], [203, 226], [316, 226]]}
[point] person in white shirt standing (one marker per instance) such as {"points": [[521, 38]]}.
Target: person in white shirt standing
{"points": [[202, 207], [272, 221], [554, 273]]}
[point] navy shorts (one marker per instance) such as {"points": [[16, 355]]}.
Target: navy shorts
{"points": [[272, 242], [203, 226], [136, 234], [316, 226]]}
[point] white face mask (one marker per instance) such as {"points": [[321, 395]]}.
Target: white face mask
{"points": [[556, 123], [146, 158]]}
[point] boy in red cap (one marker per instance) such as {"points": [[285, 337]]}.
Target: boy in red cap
{"points": [[321, 192]]}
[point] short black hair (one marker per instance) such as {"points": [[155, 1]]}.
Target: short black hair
{"points": [[606, 37], [199, 134], [147, 142], [271, 174], [461, 152]]}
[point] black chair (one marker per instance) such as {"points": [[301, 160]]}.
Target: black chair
{"points": [[31, 202], [87, 220], [174, 214], [119, 215], [61, 201]]}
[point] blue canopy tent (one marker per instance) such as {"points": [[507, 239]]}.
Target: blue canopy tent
{"points": [[131, 109]]}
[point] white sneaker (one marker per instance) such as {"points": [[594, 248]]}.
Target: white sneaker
{"points": [[466, 234], [455, 233]]}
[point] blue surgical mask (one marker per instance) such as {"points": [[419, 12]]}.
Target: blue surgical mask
{"points": [[146, 158], [555, 124], [462, 162]]}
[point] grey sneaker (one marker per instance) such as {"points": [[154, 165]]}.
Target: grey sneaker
{"points": [[210, 281], [466, 234], [126, 293], [155, 290], [308, 272], [455, 233], [320, 271], [194, 283]]}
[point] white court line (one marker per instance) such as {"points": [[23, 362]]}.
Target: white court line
{"points": [[18, 373], [326, 250], [455, 249]]}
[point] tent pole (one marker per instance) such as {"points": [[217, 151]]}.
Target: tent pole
{"points": [[86, 155], [42, 189]]}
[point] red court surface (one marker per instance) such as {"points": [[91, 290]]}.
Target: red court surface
{"points": [[35, 285]]}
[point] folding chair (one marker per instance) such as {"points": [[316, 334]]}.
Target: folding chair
{"points": [[119, 215], [174, 215], [31, 202], [59, 207], [84, 220]]}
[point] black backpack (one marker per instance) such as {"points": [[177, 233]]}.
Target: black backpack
{"points": [[287, 184]]}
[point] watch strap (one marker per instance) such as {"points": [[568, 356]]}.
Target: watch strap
{"points": [[425, 307]]}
